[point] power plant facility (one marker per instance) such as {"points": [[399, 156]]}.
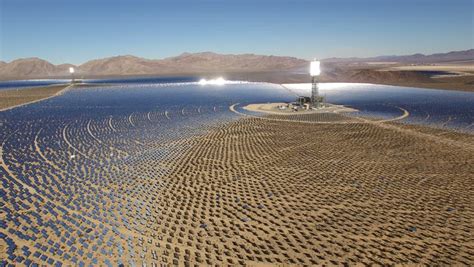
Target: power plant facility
{"points": [[314, 101], [315, 71]]}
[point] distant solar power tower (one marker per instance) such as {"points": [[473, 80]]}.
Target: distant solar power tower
{"points": [[315, 71], [71, 71]]}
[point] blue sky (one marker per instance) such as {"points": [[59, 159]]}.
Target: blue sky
{"points": [[75, 31]]}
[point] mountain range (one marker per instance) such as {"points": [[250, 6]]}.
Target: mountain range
{"points": [[185, 63], [464, 55], [194, 63]]}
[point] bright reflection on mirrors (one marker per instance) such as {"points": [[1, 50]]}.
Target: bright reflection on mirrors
{"points": [[218, 81]]}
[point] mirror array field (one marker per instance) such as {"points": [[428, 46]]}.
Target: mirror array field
{"points": [[168, 174]]}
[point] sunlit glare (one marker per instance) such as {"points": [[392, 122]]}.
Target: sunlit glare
{"points": [[305, 88], [71, 70], [314, 68], [218, 81]]}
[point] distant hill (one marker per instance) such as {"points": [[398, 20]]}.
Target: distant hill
{"points": [[120, 65], [27, 67], [210, 62], [205, 62], [466, 55], [185, 63], [373, 76]]}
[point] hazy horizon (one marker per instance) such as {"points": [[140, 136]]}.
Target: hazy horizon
{"points": [[75, 32]]}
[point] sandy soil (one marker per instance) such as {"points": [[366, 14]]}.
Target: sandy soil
{"points": [[14, 98], [454, 68]]}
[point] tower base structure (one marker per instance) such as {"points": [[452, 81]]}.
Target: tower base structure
{"points": [[316, 100]]}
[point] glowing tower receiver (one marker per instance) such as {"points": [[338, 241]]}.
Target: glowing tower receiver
{"points": [[71, 70], [314, 71], [315, 68]]}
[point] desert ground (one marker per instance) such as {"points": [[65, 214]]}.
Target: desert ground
{"points": [[467, 67], [13, 98]]}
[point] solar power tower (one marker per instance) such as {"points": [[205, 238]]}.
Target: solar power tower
{"points": [[315, 71], [71, 70]]}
